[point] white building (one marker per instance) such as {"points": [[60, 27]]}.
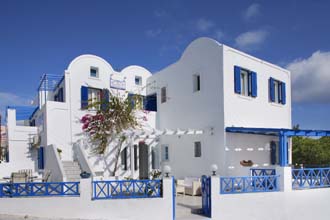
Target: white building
{"points": [[213, 87], [55, 124], [195, 101]]}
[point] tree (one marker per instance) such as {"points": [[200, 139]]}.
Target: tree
{"points": [[109, 124]]}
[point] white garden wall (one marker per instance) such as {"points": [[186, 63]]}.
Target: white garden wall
{"points": [[85, 208], [291, 205]]}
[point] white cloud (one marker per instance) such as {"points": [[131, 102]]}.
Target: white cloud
{"points": [[251, 12], [153, 33], [251, 39], [311, 78], [7, 99], [219, 35], [204, 25]]}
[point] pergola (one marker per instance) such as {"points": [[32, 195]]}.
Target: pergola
{"points": [[283, 134]]}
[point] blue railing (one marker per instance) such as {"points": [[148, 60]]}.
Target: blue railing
{"points": [[262, 172], [310, 178], [39, 189], [248, 184], [126, 189]]}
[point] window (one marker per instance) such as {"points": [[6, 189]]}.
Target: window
{"points": [[135, 157], [198, 149], [138, 80], [123, 157], [245, 82], [166, 153], [94, 72], [94, 96], [163, 95], [137, 101], [196, 83], [277, 91]]}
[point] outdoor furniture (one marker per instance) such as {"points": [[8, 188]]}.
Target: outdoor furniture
{"points": [[46, 176], [191, 186], [19, 178], [28, 173]]}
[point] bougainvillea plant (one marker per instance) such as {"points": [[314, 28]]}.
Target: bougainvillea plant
{"points": [[109, 122]]}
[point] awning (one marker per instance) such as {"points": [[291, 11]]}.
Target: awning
{"points": [[279, 131]]}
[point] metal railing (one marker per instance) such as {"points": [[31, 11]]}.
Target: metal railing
{"points": [[310, 178], [39, 189], [262, 172], [126, 189], [248, 184]]}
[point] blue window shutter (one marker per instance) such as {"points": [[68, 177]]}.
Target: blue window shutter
{"points": [[237, 79], [105, 99], [41, 162], [7, 156], [254, 89], [271, 90], [84, 97], [273, 153], [283, 92]]}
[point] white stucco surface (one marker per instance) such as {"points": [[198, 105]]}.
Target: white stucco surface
{"points": [[85, 208], [295, 205]]}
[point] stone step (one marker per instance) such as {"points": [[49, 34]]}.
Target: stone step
{"points": [[71, 167], [77, 172], [70, 163]]}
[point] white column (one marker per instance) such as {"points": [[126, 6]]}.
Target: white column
{"points": [[215, 193], [85, 188], [285, 178]]}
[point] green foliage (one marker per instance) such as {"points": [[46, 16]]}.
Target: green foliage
{"points": [[309, 151]]}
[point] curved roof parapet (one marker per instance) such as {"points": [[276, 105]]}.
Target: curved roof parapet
{"points": [[135, 67], [199, 41], [88, 56]]}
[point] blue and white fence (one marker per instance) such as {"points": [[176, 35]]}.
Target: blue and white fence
{"points": [[248, 184], [126, 189], [310, 178], [262, 172], [39, 189]]}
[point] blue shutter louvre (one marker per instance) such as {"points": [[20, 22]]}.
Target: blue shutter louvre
{"points": [[273, 153], [271, 90], [237, 79], [254, 85], [283, 93], [7, 156], [105, 99], [84, 97]]}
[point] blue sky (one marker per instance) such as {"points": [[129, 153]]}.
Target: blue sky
{"points": [[39, 37]]}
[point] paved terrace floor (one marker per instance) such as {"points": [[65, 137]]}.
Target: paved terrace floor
{"points": [[188, 207]]}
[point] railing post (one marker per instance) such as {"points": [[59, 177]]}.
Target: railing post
{"points": [[85, 189], [285, 178]]}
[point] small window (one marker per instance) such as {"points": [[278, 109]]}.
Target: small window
{"points": [[277, 91], [245, 82], [163, 95], [123, 157], [198, 149], [138, 80], [94, 72], [197, 83]]}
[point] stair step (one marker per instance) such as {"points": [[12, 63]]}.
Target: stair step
{"points": [[72, 163], [77, 172]]}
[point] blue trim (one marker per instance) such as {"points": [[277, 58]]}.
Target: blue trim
{"points": [[310, 178], [84, 97], [254, 84], [173, 198], [35, 189], [41, 162], [127, 189], [283, 93], [105, 99], [206, 196], [271, 90], [248, 184]]}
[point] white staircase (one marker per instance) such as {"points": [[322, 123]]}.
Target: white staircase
{"points": [[72, 171]]}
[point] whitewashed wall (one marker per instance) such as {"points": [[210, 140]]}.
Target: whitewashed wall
{"points": [[21, 156], [295, 205], [216, 107], [84, 208]]}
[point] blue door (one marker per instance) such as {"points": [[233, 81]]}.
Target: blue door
{"points": [[206, 195]]}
